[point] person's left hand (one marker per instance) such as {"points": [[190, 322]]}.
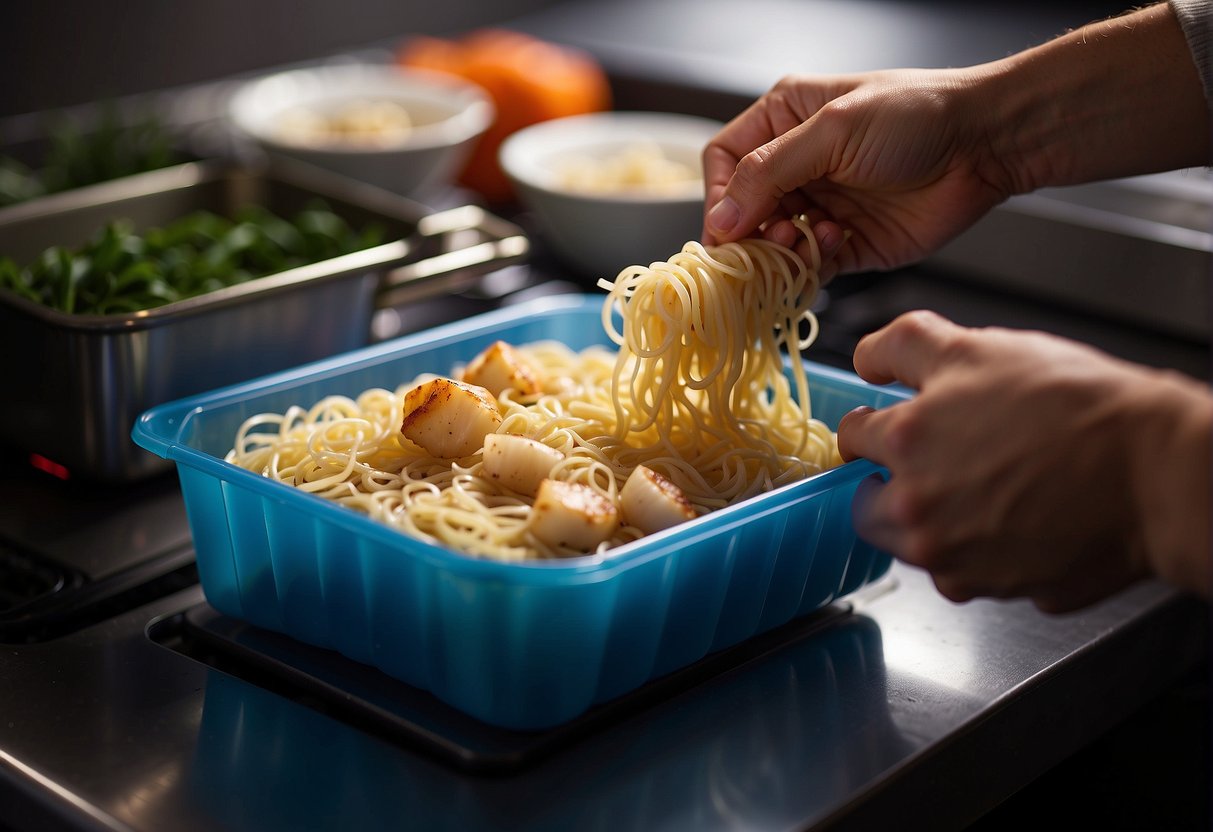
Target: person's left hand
{"points": [[1012, 470]]}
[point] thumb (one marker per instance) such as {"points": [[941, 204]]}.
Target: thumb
{"points": [[763, 177]]}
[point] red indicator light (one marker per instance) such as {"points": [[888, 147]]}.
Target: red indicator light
{"points": [[49, 466]]}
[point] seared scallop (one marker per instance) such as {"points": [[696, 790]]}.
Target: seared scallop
{"points": [[500, 368], [448, 418], [518, 462], [571, 515], [650, 502]]}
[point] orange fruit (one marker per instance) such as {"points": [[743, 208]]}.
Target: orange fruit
{"points": [[530, 80]]}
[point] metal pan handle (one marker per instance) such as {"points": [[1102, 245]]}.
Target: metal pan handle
{"points": [[500, 244]]}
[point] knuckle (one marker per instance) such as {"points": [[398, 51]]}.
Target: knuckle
{"points": [[957, 345], [921, 326], [786, 84], [754, 173], [917, 323], [835, 114], [754, 165], [954, 589]]}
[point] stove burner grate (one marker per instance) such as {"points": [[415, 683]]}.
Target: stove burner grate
{"points": [[41, 600]]}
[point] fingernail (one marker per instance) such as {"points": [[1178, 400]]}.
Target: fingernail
{"points": [[724, 215], [830, 240], [785, 234]]}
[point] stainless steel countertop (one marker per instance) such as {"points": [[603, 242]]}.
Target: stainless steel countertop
{"points": [[908, 710]]}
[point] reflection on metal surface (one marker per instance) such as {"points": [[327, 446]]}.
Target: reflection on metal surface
{"points": [[148, 799], [947, 661], [74, 804], [1133, 250], [839, 725], [765, 747]]}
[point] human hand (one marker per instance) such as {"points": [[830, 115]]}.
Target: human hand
{"points": [[1029, 465], [902, 160], [906, 159]]}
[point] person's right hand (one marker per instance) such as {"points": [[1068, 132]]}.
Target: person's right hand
{"points": [[907, 159], [902, 160]]}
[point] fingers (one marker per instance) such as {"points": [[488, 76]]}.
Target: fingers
{"points": [[908, 350], [1080, 589], [762, 177], [831, 240], [747, 131], [779, 144], [856, 436], [887, 516], [912, 349], [718, 166], [871, 517], [828, 235], [882, 517]]}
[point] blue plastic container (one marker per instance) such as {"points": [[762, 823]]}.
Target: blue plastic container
{"points": [[524, 646]]}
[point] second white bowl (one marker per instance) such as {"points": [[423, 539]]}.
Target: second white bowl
{"points": [[613, 189]]}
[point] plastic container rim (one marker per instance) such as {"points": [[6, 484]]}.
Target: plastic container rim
{"points": [[583, 569]]}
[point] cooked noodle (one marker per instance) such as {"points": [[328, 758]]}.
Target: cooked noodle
{"points": [[696, 392]]}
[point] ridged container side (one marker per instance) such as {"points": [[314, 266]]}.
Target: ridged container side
{"points": [[523, 646], [699, 583], [777, 581], [852, 556], [522, 656], [825, 560], [249, 550], [637, 621], [402, 598], [344, 591], [290, 578], [206, 511]]}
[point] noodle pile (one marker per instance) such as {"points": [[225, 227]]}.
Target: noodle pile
{"points": [[696, 392]]}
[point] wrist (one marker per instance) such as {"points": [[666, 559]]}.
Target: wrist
{"points": [[1118, 97]]}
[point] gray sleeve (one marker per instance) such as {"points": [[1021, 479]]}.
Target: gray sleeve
{"points": [[1196, 20]]}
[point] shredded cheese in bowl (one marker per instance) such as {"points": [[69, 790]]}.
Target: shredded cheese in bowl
{"points": [[640, 167], [365, 123]]}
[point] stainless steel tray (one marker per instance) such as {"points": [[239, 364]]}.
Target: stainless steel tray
{"points": [[76, 383]]}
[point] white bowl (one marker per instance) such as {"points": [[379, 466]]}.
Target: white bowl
{"points": [[601, 232], [447, 114]]}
